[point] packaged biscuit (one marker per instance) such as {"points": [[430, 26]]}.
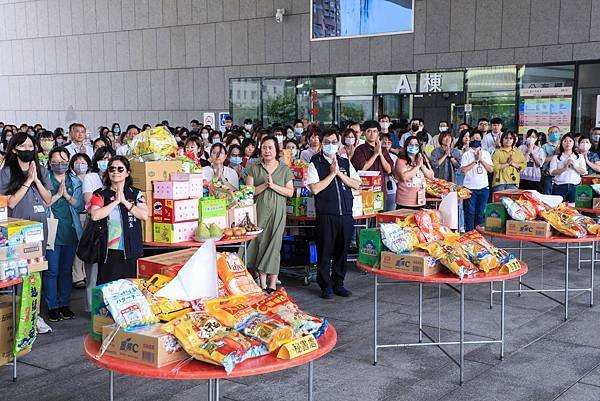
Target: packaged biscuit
{"points": [[235, 276], [127, 305]]}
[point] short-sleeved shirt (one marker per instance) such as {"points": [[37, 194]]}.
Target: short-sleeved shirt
{"points": [[307, 154], [593, 158], [364, 152], [476, 177], [61, 210], [91, 183], [411, 192], [74, 149], [570, 176], [532, 171], [313, 175], [229, 174]]}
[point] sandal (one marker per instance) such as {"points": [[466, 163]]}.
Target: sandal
{"points": [[269, 291]]}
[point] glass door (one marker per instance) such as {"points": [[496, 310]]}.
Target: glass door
{"points": [[353, 108], [397, 106]]}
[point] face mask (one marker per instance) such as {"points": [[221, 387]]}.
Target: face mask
{"points": [[290, 135], [60, 168], [299, 130], [235, 160], [362, 140], [247, 135], [384, 125], [350, 141], [585, 147], [412, 149], [204, 135], [102, 165], [596, 138], [554, 136], [47, 145], [330, 149], [117, 130], [530, 141], [475, 144], [216, 140], [414, 127], [60, 142], [294, 152], [442, 129], [279, 138], [80, 168], [248, 127], [26, 155]]}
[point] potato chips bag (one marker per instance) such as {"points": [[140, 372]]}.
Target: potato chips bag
{"points": [[269, 331], [590, 224], [398, 239], [538, 204], [451, 255], [232, 312], [564, 223], [514, 209], [479, 255], [528, 208], [235, 276]]}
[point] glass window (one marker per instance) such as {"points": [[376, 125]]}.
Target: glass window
{"points": [[349, 86], [402, 83], [278, 101], [451, 81], [314, 97], [491, 91], [354, 108], [244, 100], [588, 97]]}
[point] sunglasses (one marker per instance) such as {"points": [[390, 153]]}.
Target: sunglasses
{"points": [[119, 169]]}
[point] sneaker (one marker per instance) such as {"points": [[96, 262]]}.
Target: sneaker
{"points": [[66, 313], [327, 293], [42, 326], [79, 285], [54, 315], [342, 292]]}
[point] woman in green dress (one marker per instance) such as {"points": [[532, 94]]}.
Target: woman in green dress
{"points": [[274, 183]]}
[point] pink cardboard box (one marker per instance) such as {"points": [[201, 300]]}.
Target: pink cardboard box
{"points": [[171, 190], [195, 181], [174, 211], [176, 232]]}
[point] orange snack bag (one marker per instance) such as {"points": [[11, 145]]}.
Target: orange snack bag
{"points": [[235, 276]]}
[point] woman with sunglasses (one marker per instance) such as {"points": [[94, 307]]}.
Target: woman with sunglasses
{"points": [[121, 207], [67, 203]]}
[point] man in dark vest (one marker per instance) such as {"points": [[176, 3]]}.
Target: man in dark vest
{"points": [[331, 179]]}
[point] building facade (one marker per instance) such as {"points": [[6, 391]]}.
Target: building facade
{"points": [[532, 62]]}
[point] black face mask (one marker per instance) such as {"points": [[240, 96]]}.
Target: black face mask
{"points": [[414, 128], [26, 156]]}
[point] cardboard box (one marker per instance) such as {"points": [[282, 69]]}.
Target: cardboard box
{"points": [[357, 206], [417, 263], [21, 251], [147, 228], [311, 209], [3, 207], [369, 181], [238, 214], [12, 269], [17, 231], [596, 203], [170, 233], [394, 216], [100, 316], [98, 322], [583, 196], [195, 182], [37, 267], [211, 207], [369, 246], [529, 228], [495, 217], [590, 179], [174, 211], [146, 345], [297, 206], [174, 190], [6, 334], [511, 193], [372, 202], [151, 265], [144, 173]]}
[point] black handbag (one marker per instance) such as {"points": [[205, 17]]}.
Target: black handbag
{"points": [[93, 242]]}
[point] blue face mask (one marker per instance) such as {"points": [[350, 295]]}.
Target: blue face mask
{"points": [[117, 130], [554, 136], [475, 144], [412, 149], [102, 165], [330, 149], [235, 160], [290, 135], [299, 130]]}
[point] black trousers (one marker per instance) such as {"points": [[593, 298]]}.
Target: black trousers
{"points": [[333, 235], [116, 267]]}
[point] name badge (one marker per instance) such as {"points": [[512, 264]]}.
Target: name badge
{"points": [[38, 209], [479, 170]]}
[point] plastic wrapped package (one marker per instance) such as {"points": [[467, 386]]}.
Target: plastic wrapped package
{"points": [[590, 224], [564, 223], [127, 304], [430, 224], [233, 312], [538, 204], [235, 276], [479, 255], [398, 239], [514, 209], [451, 255], [528, 208], [268, 330], [29, 309], [154, 144]]}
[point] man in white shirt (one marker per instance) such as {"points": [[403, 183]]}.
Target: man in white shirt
{"points": [[491, 140], [77, 145]]}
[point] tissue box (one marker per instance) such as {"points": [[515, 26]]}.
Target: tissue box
{"points": [[144, 173], [176, 232], [174, 190], [238, 214], [151, 265], [21, 251], [194, 180], [17, 231], [174, 211], [12, 269]]}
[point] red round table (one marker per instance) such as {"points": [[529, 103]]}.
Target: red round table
{"points": [[312, 218], [586, 210], [197, 370], [448, 278], [197, 244], [13, 299], [570, 244]]}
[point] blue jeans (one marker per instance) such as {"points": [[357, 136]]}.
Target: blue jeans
{"points": [[475, 208], [503, 187], [460, 178], [567, 191], [58, 279], [546, 185]]}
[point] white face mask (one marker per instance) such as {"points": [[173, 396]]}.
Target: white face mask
{"points": [[384, 125], [350, 141], [584, 147], [248, 127], [294, 152], [530, 141], [442, 129], [279, 138]]}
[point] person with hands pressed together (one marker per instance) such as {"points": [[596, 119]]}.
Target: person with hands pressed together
{"points": [[218, 171], [534, 157], [371, 155], [592, 160], [476, 164], [567, 167], [445, 159], [411, 170], [331, 179], [78, 145], [550, 147], [508, 163], [273, 183], [120, 207]]}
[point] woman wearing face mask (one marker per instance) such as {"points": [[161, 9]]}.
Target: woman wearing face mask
{"points": [[93, 180], [314, 142], [550, 148], [218, 171], [292, 145], [248, 127], [508, 163], [273, 183], [234, 160], [592, 160], [534, 157], [445, 159], [567, 167], [193, 150], [462, 145], [45, 144], [205, 136], [348, 143], [215, 137], [289, 132], [278, 133], [411, 170], [7, 134], [67, 203]]}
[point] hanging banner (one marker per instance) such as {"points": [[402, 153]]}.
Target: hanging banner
{"points": [[540, 108]]}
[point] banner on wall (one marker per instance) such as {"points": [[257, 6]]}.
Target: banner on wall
{"points": [[540, 108], [209, 119], [222, 116]]}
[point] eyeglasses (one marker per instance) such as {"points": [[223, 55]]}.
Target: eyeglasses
{"points": [[119, 169]]}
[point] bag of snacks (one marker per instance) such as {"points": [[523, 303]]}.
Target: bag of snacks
{"points": [[233, 312], [127, 305], [527, 207], [590, 224], [235, 276], [154, 143], [537, 203], [479, 255], [451, 255], [398, 239], [271, 332], [564, 223], [29, 309], [514, 210]]}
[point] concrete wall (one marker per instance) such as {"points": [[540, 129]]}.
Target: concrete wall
{"points": [[145, 60]]}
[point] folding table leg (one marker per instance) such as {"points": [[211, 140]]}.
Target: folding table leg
{"points": [[462, 332], [111, 386], [310, 381]]}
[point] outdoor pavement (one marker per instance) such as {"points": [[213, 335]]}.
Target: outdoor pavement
{"points": [[546, 357]]}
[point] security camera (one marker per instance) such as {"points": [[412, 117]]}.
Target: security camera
{"points": [[279, 15]]}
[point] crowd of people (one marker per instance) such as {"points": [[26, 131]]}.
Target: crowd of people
{"points": [[77, 180]]}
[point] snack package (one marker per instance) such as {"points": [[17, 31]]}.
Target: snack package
{"points": [[193, 328], [235, 276], [539, 205], [528, 208], [281, 306], [479, 255], [429, 223], [451, 255], [398, 239], [514, 210], [590, 224], [29, 309], [166, 309], [154, 143], [507, 262], [127, 304], [269, 331], [564, 223], [233, 312], [439, 188]]}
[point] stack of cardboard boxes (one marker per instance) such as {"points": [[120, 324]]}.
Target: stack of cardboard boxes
{"points": [[302, 204], [371, 192], [497, 219]]}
